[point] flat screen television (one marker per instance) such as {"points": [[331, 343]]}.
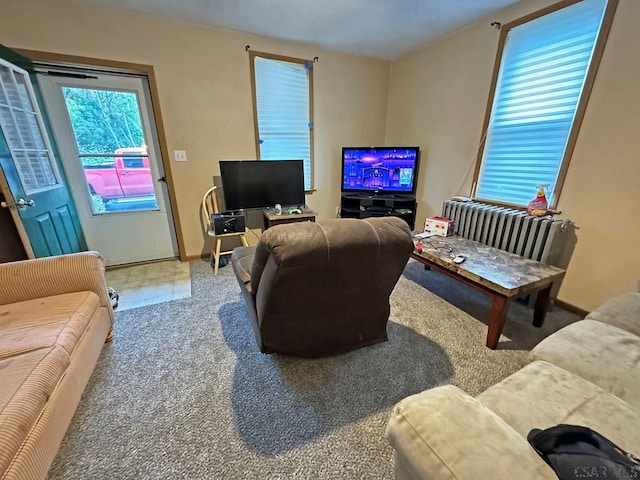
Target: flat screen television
{"points": [[262, 183], [392, 170]]}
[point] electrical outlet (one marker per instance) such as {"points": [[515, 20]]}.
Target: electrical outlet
{"points": [[180, 155]]}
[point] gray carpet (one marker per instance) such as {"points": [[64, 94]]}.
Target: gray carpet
{"points": [[183, 392]]}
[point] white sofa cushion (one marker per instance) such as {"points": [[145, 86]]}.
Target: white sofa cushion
{"points": [[603, 354], [444, 433], [542, 395]]}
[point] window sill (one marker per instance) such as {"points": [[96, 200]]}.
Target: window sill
{"points": [[550, 211]]}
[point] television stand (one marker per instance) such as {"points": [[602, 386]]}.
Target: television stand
{"points": [[366, 205]]}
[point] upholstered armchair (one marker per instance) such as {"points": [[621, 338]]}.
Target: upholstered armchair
{"points": [[316, 289]]}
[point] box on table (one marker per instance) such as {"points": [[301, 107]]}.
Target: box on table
{"points": [[441, 226]]}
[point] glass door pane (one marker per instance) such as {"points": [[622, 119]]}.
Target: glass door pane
{"points": [[111, 147], [21, 122]]}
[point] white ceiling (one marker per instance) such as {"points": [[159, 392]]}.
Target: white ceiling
{"points": [[384, 29]]}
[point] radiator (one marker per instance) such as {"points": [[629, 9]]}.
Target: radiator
{"points": [[544, 239]]}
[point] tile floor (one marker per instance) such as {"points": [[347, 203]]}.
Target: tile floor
{"points": [[150, 283]]}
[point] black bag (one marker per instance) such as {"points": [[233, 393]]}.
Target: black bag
{"points": [[578, 452]]}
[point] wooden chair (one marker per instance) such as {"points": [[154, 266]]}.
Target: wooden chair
{"points": [[209, 207]]}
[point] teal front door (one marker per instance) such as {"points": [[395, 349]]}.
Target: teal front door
{"points": [[31, 164]]}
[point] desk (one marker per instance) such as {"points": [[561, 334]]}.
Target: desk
{"points": [[496, 273], [271, 219]]}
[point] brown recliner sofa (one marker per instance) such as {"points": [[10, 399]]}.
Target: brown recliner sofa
{"points": [[316, 289]]}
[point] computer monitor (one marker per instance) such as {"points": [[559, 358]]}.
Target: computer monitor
{"points": [[251, 184]]}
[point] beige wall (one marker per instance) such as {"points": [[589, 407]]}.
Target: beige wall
{"points": [[437, 99], [205, 92]]}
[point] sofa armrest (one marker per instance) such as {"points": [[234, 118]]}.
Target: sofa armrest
{"points": [[443, 433], [48, 276]]}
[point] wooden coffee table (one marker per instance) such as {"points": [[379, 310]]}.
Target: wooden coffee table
{"points": [[497, 273]]}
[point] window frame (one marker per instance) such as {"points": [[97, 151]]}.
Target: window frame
{"points": [[282, 58], [583, 102]]}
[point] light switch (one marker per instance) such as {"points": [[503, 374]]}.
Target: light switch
{"points": [[180, 155]]}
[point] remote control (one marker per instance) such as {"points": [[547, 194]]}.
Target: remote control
{"points": [[424, 235], [459, 259]]}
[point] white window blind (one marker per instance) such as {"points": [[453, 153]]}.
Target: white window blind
{"points": [[284, 122], [21, 123], [542, 74]]}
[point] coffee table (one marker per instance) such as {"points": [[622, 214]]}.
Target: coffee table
{"points": [[500, 275]]}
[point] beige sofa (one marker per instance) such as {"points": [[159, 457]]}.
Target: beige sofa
{"points": [[55, 316], [587, 373]]}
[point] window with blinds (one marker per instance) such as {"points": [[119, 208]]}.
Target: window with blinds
{"points": [[283, 111], [542, 76], [21, 123]]}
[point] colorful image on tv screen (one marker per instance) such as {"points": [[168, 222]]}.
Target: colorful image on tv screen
{"points": [[379, 169]]}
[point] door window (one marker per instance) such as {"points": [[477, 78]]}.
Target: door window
{"points": [[111, 148], [21, 122]]}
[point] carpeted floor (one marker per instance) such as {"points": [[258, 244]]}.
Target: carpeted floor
{"points": [[182, 392]]}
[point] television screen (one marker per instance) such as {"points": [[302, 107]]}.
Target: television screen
{"points": [[262, 183], [380, 169]]}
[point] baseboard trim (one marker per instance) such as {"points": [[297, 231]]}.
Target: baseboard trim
{"points": [[571, 308], [196, 257], [144, 262]]}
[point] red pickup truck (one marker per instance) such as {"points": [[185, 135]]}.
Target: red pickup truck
{"points": [[128, 175]]}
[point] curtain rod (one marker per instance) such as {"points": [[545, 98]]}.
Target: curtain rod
{"points": [[247, 48]]}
